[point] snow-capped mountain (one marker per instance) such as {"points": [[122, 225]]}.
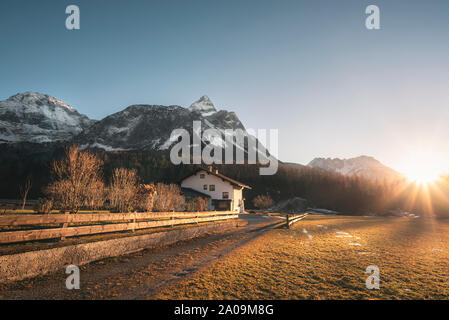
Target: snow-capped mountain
{"points": [[149, 127], [39, 118], [364, 166]]}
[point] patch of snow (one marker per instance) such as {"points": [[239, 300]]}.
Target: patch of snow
{"points": [[105, 147], [322, 211], [155, 142], [114, 130], [307, 233], [168, 143], [206, 114]]}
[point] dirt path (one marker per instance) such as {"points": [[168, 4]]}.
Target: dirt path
{"points": [[143, 274]]}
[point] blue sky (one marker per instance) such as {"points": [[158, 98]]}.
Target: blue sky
{"points": [[309, 68]]}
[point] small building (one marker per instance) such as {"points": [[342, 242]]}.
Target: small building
{"points": [[222, 193]]}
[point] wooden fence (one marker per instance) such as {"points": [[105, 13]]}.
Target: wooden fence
{"points": [[291, 219], [100, 223]]}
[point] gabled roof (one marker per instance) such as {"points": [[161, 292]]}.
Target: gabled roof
{"points": [[193, 193], [219, 175]]}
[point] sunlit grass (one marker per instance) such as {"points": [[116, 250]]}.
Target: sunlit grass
{"points": [[412, 254]]}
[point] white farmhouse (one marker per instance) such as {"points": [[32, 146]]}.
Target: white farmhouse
{"points": [[223, 193]]}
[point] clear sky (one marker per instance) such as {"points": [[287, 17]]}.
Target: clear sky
{"points": [[309, 68]]}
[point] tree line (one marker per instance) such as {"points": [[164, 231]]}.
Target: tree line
{"points": [[349, 195]]}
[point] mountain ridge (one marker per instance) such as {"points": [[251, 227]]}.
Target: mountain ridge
{"points": [[364, 166], [32, 117], [149, 127]]}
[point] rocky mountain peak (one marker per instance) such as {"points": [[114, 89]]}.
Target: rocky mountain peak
{"points": [[204, 106]]}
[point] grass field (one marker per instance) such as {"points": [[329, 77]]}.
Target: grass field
{"points": [[325, 257]]}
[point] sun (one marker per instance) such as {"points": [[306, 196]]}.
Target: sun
{"points": [[423, 165], [422, 176], [422, 172]]}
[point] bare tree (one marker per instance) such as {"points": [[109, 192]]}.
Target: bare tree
{"points": [[196, 204], [144, 197], [122, 189], [44, 206], [24, 190], [168, 198], [96, 194], [75, 176], [263, 202]]}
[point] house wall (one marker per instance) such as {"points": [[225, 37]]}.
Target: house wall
{"points": [[238, 196], [196, 183]]}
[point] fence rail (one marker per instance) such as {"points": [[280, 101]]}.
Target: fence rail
{"points": [[291, 219], [150, 220]]}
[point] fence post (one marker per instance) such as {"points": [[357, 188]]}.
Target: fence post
{"points": [[134, 222], [65, 224], [288, 221]]}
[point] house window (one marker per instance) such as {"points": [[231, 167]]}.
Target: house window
{"points": [[205, 187], [225, 195], [212, 187], [202, 175]]}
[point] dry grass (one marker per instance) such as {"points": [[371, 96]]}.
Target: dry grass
{"points": [[412, 254]]}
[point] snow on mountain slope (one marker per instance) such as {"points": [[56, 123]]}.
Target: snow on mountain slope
{"points": [[149, 127], [203, 106], [363, 166], [38, 118], [138, 127]]}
